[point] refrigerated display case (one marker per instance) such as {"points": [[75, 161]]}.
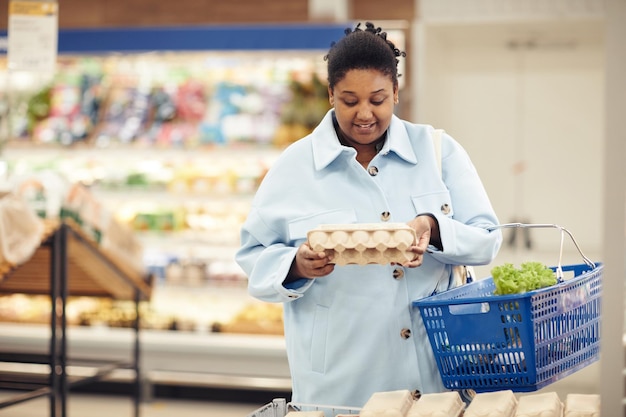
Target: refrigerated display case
{"points": [[171, 130]]}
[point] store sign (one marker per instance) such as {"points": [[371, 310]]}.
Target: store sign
{"points": [[32, 35]]}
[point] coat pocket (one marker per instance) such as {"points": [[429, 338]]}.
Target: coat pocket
{"points": [[436, 202], [320, 336], [299, 227]]}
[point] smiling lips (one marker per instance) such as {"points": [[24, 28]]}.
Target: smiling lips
{"points": [[364, 127]]}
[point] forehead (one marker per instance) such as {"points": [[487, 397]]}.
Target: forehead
{"points": [[364, 81]]}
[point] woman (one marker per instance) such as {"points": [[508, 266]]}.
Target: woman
{"points": [[350, 330]]}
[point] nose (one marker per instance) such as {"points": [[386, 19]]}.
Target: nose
{"points": [[364, 111]]}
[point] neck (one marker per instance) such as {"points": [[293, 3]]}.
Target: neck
{"points": [[364, 152]]}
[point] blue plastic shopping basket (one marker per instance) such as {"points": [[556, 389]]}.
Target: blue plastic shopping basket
{"points": [[520, 342]]}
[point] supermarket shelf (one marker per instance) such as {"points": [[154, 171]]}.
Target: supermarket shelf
{"points": [[212, 360], [33, 371], [67, 262]]}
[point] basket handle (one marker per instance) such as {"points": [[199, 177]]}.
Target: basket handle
{"points": [[559, 271]]}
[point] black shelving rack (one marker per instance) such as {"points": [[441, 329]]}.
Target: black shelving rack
{"points": [[69, 262]]}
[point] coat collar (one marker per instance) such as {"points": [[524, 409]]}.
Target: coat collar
{"points": [[326, 146]]}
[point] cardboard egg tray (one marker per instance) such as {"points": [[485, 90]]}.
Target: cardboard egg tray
{"points": [[364, 243], [447, 404], [492, 404]]}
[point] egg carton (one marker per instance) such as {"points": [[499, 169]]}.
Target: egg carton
{"points": [[388, 404], [447, 404], [364, 243], [492, 404], [547, 404]]}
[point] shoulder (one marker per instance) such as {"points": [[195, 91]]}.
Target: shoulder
{"points": [[413, 129]]}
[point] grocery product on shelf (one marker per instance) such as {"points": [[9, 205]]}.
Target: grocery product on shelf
{"points": [[254, 318], [447, 404], [21, 230], [388, 403], [539, 405], [492, 404], [582, 405], [156, 158], [176, 100]]}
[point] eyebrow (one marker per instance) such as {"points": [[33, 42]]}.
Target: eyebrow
{"points": [[372, 92]]}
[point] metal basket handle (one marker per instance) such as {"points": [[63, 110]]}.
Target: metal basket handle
{"points": [[559, 271]]}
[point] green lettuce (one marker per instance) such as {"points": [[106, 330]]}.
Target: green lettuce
{"points": [[530, 276]]}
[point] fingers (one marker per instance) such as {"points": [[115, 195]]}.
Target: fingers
{"points": [[313, 264], [418, 259]]}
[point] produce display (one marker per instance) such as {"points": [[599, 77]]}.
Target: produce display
{"points": [[202, 313], [530, 276], [172, 100], [157, 156]]}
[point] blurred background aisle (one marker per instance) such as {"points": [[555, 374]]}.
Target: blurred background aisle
{"points": [[98, 405]]}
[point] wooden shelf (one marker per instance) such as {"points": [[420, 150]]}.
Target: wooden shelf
{"points": [[68, 262], [91, 271]]}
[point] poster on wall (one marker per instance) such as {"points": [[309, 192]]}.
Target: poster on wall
{"points": [[32, 35]]}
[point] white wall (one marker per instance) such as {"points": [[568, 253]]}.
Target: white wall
{"points": [[526, 100]]}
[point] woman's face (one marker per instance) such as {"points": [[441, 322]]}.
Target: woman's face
{"points": [[364, 101]]}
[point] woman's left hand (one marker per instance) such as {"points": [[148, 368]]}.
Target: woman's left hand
{"points": [[424, 226]]}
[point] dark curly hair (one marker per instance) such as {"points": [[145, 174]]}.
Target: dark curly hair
{"points": [[366, 48]]}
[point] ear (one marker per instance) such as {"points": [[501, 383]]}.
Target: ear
{"points": [[395, 95], [331, 97]]}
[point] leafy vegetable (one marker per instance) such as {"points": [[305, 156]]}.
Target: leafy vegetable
{"points": [[530, 276]]}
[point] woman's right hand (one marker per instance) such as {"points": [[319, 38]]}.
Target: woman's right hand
{"points": [[310, 264]]}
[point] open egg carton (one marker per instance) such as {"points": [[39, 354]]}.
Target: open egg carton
{"points": [[364, 243]]}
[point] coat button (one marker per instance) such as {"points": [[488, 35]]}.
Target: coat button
{"points": [[385, 216], [445, 208], [373, 171], [405, 333], [398, 273]]}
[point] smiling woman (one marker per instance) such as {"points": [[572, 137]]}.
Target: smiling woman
{"points": [[350, 330], [363, 108]]}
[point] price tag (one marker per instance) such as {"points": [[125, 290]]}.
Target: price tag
{"points": [[33, 35]]}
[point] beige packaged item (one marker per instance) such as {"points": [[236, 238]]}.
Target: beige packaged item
{"points": [[582, 405], [441, 404], [21, 230], [492, 404], [388, 404], [364, 243], [305, 414], [540, 405]]}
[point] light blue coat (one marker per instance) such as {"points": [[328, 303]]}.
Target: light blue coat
{"points": [[346, 333]]}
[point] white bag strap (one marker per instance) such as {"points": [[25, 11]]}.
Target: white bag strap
{"points": [[466, 270], [437, 133]]}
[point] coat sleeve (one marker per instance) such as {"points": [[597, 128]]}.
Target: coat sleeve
{"points": [[267, 261], [465, 236]]}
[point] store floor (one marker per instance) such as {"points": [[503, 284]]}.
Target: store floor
{"points": [[97, 405]]}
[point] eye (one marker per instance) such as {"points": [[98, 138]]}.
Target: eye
{"points": [[377, 101], [350, 103]]}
